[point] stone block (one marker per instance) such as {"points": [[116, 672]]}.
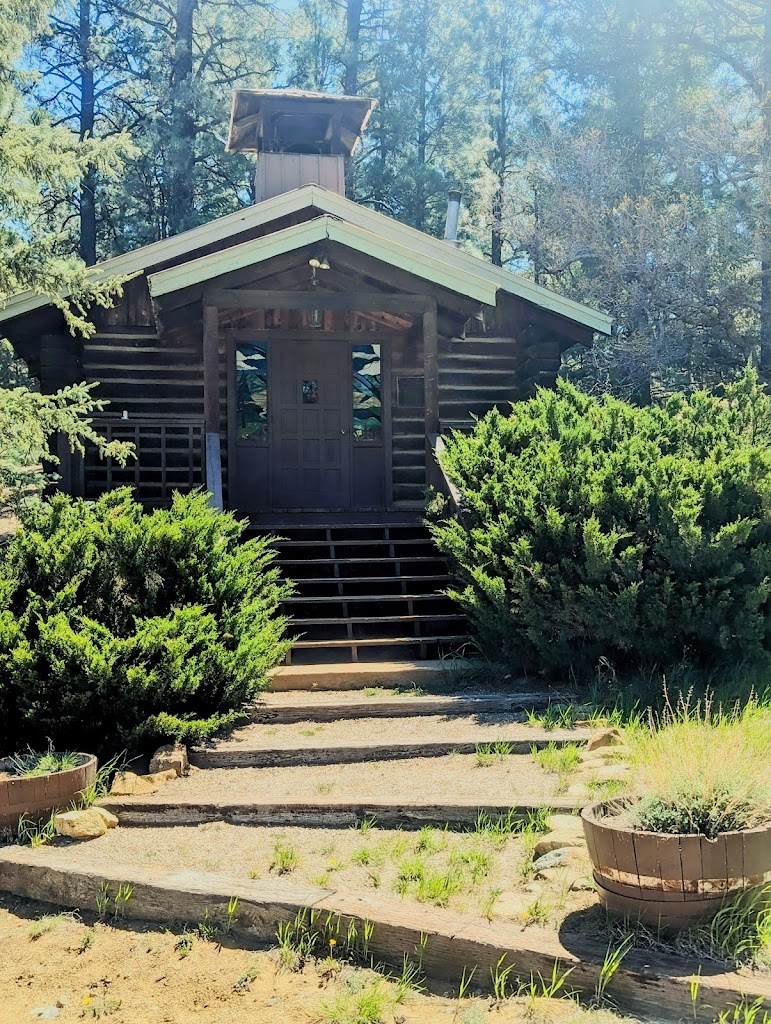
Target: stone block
{"points": [[80, 824], [131, 784], [605, 738], [173, 755]]}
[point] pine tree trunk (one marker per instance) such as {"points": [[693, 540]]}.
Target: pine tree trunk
{"points": [[765, 218], [87, 196], [351, 71], [181, 196], [352, 50]]}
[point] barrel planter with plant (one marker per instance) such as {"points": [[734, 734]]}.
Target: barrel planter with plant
{"points": [[32, 785], [670, 881], [696, 831]]}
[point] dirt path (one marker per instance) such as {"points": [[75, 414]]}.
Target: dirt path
{"points": [[425, 780], [487, 728], [59, 967]]}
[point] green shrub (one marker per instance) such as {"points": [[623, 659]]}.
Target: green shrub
{"points": [[119, 627], [594, 530]]}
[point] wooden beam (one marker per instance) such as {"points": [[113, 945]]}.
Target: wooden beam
{"points": [[211, 403], [309, 334], [431, 382], [247, 298]]}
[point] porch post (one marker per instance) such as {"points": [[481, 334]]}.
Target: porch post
{"points": [[211, 403], [431, 384]]}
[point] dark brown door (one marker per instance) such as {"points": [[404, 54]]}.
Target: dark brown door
{"points": [[311, 446]]}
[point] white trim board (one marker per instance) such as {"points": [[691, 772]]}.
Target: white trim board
{"points": [[324, 228]]}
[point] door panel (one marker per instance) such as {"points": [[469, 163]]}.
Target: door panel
{"points": [[312, 436]]}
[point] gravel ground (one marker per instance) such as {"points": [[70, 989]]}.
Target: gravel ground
{"points": [[483, 728], [425, 780]]}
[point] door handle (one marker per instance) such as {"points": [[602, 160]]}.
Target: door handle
{"points": [[343, 432]]}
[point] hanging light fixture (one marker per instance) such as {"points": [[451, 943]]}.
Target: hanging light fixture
{"points": [[315, 317], [318, 261]]}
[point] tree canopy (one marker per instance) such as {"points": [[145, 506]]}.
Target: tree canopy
{"points": [[618, 151]]}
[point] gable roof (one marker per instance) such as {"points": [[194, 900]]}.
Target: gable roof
{"points": [[386, 232], [321, 229]]}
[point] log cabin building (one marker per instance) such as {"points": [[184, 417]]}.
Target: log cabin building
{"points": [[300, 359]]}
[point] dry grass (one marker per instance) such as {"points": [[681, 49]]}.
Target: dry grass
{"points": [[700, 768]]}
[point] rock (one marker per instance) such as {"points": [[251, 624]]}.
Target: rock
{"points": [[560, 858], [173, 755], [605, 755], [110, 819], [160, 778], [558, 841], [606, 773], [512, 906], [605, 738], [579, 792], [80, 824], [45, 1012], [131, 784], [566, 823], [583, 883]]}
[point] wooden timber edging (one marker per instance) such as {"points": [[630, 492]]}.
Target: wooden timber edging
{"points": [[240, 757], [133, 811], [400, 707], [454, 944]]}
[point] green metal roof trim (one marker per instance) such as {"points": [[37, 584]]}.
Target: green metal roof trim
{"points": [[324, 228], [379, 229]]}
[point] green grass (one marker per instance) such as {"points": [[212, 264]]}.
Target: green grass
{"points": [[285, 858], [35, 763], [490, 753], [44, 924], [557, 760], [367, 1005]]}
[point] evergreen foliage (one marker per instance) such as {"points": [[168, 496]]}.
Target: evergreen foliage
{"points": [[592, 529], [119, 627]]}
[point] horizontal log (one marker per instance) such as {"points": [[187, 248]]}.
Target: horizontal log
{"points": [[132, 812]]}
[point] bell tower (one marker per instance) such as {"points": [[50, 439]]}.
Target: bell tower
{"points": [[300, 138]]}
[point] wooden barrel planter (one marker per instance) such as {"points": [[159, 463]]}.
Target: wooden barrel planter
{"points": [[37, 795], [670, 882]]}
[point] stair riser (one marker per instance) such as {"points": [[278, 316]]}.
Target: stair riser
{"points": [[343, 677], [387, 586], [405, 707], [347, 755]]}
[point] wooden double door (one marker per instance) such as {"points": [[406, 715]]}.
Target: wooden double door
{"points": [[311, 425], [308, 424]]}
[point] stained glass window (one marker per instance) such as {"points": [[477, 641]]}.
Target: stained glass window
{"points": [[252, 393], [367, 393]]}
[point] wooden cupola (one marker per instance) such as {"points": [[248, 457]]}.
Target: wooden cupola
{"points": [[301, 138]]}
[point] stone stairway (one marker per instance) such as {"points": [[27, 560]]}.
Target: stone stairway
{"points": [[367, 591]]}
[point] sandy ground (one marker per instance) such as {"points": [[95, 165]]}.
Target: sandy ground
{"points": [[355, 731], [424, 780], [132, 973], [348, 860]]}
